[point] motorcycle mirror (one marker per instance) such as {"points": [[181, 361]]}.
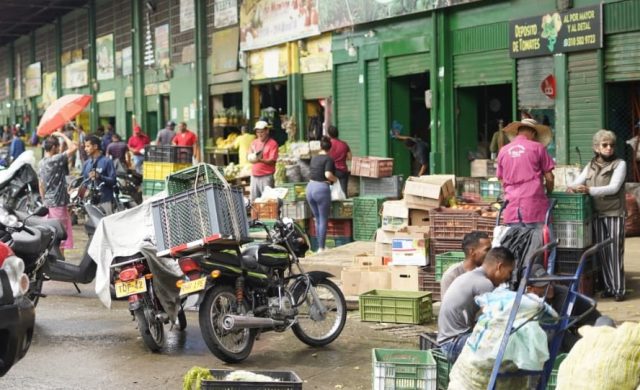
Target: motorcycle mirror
{"points": [[41, 211]]}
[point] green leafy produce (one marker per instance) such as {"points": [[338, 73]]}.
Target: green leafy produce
{"points": [[193, 378]]}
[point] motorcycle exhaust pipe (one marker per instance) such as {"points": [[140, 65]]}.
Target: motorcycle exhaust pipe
{"points": [[232, 322]]}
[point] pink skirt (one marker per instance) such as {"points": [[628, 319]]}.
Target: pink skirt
{"points": [[62, 214]]}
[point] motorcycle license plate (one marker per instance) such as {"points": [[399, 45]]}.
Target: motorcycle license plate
{"points": [[124, 289], [193, 286]]}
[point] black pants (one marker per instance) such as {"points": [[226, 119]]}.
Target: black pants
{"points": [[343, 178]]}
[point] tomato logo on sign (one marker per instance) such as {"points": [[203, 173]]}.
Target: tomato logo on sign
{"points": [[548, 86]]}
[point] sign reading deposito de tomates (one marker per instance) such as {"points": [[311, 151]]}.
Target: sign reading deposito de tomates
{"points": [[559, 32]]}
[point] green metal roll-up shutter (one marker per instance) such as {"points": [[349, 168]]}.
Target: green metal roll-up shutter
{"points": [[584, 101], [375, 126], [316, 85], [152, 103], [409, 64], [483, 68], [622, 56], [347, 101], [531, 72]]}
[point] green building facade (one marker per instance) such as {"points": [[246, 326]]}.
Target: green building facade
{"points": [[447, 75]]}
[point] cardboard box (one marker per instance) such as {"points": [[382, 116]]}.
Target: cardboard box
{"points": [[384, 237], [409, 251], [395, 215], [405, 278], [427, 192], [357, 280], [483, 168], [418, 217], [367, 260], [372, 166]]}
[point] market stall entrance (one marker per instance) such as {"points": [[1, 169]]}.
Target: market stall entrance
{"points": [[269, 100], [407, 108], [479, 112]]}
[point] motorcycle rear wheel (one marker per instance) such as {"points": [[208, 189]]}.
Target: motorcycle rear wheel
{"points": [[330, 324], [151, 329], [229, 346]]}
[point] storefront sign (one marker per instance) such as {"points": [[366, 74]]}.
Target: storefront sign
{"points": [[315, 55], [104, 58], [268, 63], [225, 13], [150, 89], [49, 88], [162, 45], [336, 14], [106, 96], [33, 83], [76, 74], [187, 15], [270, 22], [225, 58], [573, 30]]}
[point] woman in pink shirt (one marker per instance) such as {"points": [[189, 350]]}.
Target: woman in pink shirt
{"points": [[340, 153]]}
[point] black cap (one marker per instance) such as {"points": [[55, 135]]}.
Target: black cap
{"points": [[171, 124], [538, 271]]}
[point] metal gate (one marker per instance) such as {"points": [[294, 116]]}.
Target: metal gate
{"points": [[316, 85], [484, 68], [347, 105], [531, 72], [408, 64]]}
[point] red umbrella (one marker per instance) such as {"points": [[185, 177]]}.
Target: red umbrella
{"points": [[62, 111]]}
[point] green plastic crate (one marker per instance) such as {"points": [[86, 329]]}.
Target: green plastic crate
{"points": [[152, 187], [296, 191], [342, 209], [571, 207], [193, 177], [401, 307], [446, 260], [403, 369], [443, 368], [366, 217], [553, 377]]}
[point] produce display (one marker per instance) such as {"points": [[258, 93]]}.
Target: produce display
{"points": [[233, 171], [226, 143]]}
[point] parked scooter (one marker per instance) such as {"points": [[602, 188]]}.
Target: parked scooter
{"points": [[19, 184]]}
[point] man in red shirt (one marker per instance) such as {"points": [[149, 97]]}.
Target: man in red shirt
{"points": [[186, 137], [263, 154], [136, 145], [340, 153]]}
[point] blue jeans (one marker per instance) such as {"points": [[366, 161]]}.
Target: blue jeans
{"points": [[319, 198], [453, 347], [137, 163]]}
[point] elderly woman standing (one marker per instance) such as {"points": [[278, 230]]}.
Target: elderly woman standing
{"points": [[603, 178]]}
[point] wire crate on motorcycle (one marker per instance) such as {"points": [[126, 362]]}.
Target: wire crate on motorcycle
{"points": [[202, 206]]}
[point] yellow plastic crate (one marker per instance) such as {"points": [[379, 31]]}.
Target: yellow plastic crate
{"points": [[160, 170]]}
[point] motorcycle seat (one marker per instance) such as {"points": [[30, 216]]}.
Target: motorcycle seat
{"points": [[254, 255], [61, 233], [30, 246]]}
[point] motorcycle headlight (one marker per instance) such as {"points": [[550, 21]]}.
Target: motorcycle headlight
{"points": [[8, 219]]}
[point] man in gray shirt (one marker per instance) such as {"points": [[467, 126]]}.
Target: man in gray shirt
{"points": [[165, 136], [459, 310], [475, 246]]}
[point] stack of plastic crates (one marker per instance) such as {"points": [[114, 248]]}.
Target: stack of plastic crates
{"points": [[490, 190], [446, 260], [573, 227], [366, 217], [161, 161], [389, 187], [339, 233], [428, 341], [200, 205]]}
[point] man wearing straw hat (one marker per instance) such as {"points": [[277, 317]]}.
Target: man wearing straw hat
{"points": [[526, 171]]}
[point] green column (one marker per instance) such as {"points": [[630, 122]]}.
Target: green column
{"points": [[364, 104], [385, 103], [442, 118], [562, 113], [139, 104], [12, 81], [202, 86], [296, 101], [93, 71], [58, 53]]}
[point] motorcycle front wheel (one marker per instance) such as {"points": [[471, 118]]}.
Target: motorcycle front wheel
{"points": [[151, 329], [314, 327], [230, 346]]}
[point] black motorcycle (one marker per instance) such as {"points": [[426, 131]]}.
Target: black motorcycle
{"points": [[260, 287], [19, 184]]}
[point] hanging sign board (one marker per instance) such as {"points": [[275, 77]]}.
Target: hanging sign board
{"points": [[560, 32]]}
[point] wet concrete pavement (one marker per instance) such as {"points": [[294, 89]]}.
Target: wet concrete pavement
{"points": [[80, 344]]}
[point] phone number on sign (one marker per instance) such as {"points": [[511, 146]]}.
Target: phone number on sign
{"points": [[579, 41]]}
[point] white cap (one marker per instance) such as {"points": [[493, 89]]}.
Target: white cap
{"points": [[261, 125]]}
